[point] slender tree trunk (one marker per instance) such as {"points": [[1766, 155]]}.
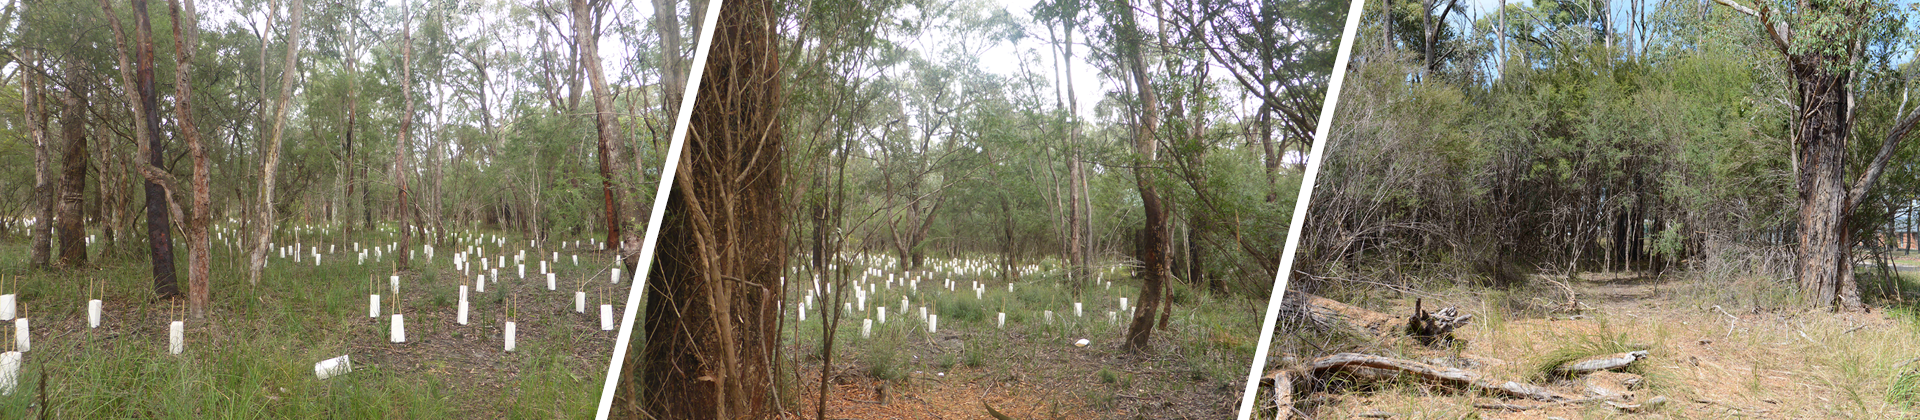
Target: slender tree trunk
{"points": [[673, 71], [713, 307], [264, 217], [1154, 235], [404, 146], [612, 160], [1080, 221], [70, 222], [351, 166], [159, 220], [199, 254], [43, 186]]}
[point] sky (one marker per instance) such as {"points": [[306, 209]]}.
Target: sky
{"points": [[1089, 87]]}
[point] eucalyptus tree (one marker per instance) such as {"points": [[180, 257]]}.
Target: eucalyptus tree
{"points": [[265, 219], [186, 40], [32, 106], [1078, 234], [1130, 41], [1823, 43], [612, 152], [138, 88], [403, 147]]}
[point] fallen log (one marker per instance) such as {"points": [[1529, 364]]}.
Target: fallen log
{"points": [[1599, 363], [1331, 313], [1325, 366], [1282, 383], [1429, 328]]}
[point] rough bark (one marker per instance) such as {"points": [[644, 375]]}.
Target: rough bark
{"points": [[69, 222], [199, 252], [1820, 140], [713, 304], [1824, 261]]}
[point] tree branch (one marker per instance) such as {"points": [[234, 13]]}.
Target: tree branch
{"points": [[1859, 191], [1776, 31]]}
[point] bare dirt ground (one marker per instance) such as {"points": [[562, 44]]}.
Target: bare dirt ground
{"points": [[1707, 361]]}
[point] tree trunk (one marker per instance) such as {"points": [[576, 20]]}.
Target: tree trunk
{"points": [[403, 146], [69, 222], [352, 164], [159, 223], [1154, 235], [1824, 264], [673, 71], [612, 160], [1820, 140], [714, 306], [199, 254], [264, 217], [43, 187]]}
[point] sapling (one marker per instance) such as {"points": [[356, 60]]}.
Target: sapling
{"points": [[398, 332], [511, 310]]}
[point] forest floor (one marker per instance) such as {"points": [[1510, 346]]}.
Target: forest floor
{"points": [[254, 355], [1709, 361], [1031, 368]]}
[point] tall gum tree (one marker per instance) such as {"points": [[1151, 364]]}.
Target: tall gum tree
{"points": [[264, 217], [1822, 41], [1154, 241], [137, 83], [199, 255]]}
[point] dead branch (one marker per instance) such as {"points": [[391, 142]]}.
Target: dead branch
{"points": [[1329, 312], [1325, 366], [1434, 327], [1282, 383], [1600, 363]]}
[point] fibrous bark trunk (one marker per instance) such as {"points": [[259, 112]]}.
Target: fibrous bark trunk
{"points": [[1824, 261], [714, 302], [199, 252], [1821, 138], [69, 222]]}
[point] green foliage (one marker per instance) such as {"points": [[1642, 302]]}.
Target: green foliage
{"points": [[1905, 391]]}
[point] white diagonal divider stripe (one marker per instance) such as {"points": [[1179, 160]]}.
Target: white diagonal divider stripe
{"points": [[659, 208], [1314, 157]]}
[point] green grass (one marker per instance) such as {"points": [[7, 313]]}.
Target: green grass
{"points": [[1905, 391], [254, 357], [1581, 346]]}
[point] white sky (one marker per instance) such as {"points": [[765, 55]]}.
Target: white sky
{"points": [[1003, 59]]}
